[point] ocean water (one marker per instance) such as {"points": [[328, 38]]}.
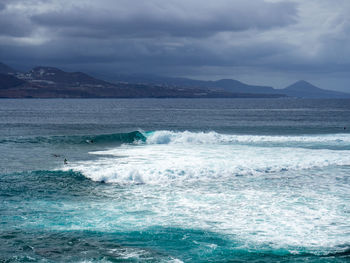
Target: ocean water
{"points": [[175, 180]]}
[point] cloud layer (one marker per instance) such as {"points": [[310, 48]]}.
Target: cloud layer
{"points": [[270, 42]]}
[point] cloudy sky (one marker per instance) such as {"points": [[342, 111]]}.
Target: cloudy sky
{"points": [[271, 42]]}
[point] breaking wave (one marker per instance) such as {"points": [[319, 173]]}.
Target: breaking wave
{"points": [[186, 137], [168, 157]]}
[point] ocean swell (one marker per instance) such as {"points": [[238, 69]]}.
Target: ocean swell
{"points": [[130, 137]]}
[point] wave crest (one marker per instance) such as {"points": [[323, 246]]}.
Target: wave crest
{"points": [[186, 137], [129, 137]]}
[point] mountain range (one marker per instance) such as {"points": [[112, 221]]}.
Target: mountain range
{"points": [[50, 82], [299, 89]]}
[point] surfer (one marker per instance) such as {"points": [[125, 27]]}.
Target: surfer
{"points": [[65, 161]]}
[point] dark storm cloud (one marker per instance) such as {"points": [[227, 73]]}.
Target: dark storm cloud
{"points": [[13, 23], [144, 56], [161, 19], [14, 26], [180, 37], [154, 33]]}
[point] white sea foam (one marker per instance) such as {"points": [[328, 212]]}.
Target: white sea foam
{"points": [[263, 197], [169, 163], [170, 137]]}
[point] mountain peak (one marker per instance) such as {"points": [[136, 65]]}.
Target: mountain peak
{"points": [[58, 76], [228, 81], [44, 69], [304, 89], [302, 82], [302, 85]]}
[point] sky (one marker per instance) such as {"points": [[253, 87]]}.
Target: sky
{"points": [[271, 42]]}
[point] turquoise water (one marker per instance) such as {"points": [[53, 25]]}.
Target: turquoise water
{"points": [[180, 180]]}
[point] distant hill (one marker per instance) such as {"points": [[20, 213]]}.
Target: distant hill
{"points": [[300, 89], [229, 85], [304, 89], [237, 86], [50, 82], [5, 69], [55, 75], [9, 82]]}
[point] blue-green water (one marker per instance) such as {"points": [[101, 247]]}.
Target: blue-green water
{"points": [[175, 180]]}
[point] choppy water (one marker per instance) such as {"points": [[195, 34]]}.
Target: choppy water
{"points": [[175, 180]]}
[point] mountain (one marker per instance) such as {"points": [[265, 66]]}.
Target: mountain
{"points": [[60, 77], [50, 82], [304, 89], [8, 81], [229, 85], [237, 86], [300, 89], [5, 69]]}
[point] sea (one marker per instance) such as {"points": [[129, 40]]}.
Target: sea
{"points": [[174, 180]]}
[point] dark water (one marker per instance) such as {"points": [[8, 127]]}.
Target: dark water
{"points": [[175, 180]]}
